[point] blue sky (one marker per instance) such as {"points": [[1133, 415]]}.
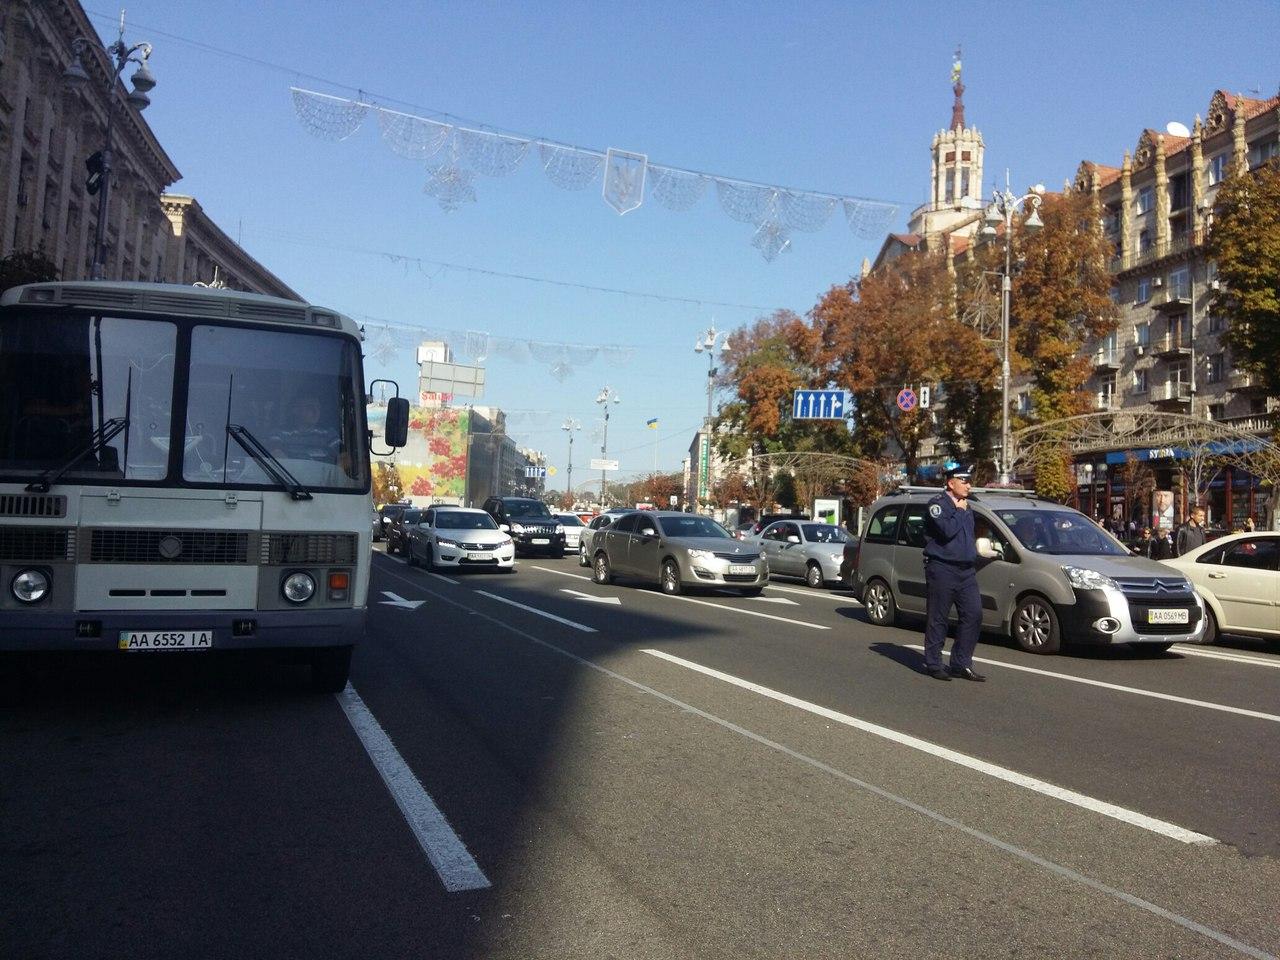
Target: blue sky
{"points": [[836, 97]]}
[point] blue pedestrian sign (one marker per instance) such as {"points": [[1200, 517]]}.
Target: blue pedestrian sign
{"points": [[906, 399], [535, 473], [820, 404]]}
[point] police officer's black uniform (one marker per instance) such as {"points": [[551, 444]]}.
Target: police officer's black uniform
{"points": [[950, 573]]}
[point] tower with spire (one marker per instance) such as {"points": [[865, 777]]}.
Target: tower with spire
{"points": [[956, 181]]}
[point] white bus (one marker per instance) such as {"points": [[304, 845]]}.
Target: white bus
{"points": [[183, 469]]}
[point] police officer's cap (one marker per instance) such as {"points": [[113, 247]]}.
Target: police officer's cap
{"points": [[960, 473]]}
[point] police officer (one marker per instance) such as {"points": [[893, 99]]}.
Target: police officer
{"points": [[950, 562]]}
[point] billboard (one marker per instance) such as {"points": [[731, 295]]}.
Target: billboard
{"points": [[434, 461]]}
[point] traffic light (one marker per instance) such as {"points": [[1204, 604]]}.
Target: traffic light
{"points": [[93, 183]]}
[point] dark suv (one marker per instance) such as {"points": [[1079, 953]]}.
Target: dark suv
{"points": [[398, 532], [530, 523]]}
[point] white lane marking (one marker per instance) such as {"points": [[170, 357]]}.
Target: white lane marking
{"points": [[593, 599], [458, 870], [441, 576], [398, 601], [1208, 705], [1260, 660], [563, 573], [541, 613], [1162, 827], [985, 838], [826, 594], [782, 600]]}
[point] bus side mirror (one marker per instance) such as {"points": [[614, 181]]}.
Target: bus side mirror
{"points": [[397, 428]]}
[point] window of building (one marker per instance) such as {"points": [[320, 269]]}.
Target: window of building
{"points": [[1179, 191], [1179, 372], [949, 193], [964, 182], [1145, 242], [1111, 220], [1216, 169], [1142, 334], [1140, 381], [1024, 403], [1260, 151], [1144, 290], [1216, 368], [1217, 411], [1217, 323], [1107, 390], [1145, 201], [1257, 404], [1180, 283]]}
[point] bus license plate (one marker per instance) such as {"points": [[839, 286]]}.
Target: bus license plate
{"points": [[479, 556], [1168, 616], [166, 639], [741, 568], [541, 540]]}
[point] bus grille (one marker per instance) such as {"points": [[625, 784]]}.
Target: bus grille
{"points": [[309, 548], [23, 505], [36, 543], [168, 546]]}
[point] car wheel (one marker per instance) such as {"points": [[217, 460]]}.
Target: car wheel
{"points": [[1150, 649], [813, 576], [583, 559], [1211, 631], [600, 571], [330, 668], [670, 577], [1035, 626], [882, 609]]}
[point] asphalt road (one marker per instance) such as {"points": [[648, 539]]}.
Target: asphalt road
{"points": [[536, 766]]}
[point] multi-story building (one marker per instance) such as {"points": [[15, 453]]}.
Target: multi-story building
{"points": [[48, 129], [1167, 352]]}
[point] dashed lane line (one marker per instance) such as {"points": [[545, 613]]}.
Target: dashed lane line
{"points": [[1137, 691], [1254, 660], [542, 613]]}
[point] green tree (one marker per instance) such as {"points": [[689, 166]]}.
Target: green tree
{"points": [[1245, 244]]}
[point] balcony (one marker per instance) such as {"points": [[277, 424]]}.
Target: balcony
{"points": [[1172, 300], [1107, 360], [1173, 392], [1171, 347], [1241, 382], [1105, 401], [1262, 423]]}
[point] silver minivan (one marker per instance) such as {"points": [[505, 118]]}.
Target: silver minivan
{"points": [[1048, 575]]}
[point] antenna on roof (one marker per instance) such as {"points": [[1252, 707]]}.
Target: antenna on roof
{"points": [[1177, 128]]}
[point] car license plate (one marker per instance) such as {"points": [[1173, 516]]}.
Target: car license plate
{"points": [[1168, 616], [166, 639], [540, 540], [741, 568], [479, 556]]}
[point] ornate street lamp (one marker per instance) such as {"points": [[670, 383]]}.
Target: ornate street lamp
{"points": [[99, 165], [606, 397], [569, 426]]}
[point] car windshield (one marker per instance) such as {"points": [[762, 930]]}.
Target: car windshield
{"points": [[463, 520], [411, 516], [823, 533], [1060, 532], [569, 519], [692, 525], [527, 508]]}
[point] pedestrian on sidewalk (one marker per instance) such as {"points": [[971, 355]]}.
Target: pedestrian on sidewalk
{"points": [[1190, 534], [951, 579]]}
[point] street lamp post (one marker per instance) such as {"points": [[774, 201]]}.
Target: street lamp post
{"points": [[99, 165], [1001, 210], [606, 397], [706, 343], [569, 426]]}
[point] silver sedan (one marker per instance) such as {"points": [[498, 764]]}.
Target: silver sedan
{"points": [[678, 551], [802, 548]]}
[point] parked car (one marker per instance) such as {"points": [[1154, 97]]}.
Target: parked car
{"points": [[1048, 575], [397, 532], [386, 514], [573, 527], [459, 537], [762, 521], [803, 549], [530, 524], [587, 538], [677, 551], [377, 524], [1238, 578]]}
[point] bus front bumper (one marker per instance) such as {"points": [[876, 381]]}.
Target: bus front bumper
{"points": [[31, 630]]}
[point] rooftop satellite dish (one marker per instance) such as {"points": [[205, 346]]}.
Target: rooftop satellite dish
{"points": [[1177, 129]]}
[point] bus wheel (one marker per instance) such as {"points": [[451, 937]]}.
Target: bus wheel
{"points": [[330, 668]]}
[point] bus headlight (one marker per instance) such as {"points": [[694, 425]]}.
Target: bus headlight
{"points": [[298, 587], [30, 586]]}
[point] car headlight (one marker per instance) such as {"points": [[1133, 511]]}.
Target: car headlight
{"points": [[30, 586], [701, 554], [298, 587], [1083, 579], [442, 542], [559, 528], [505, 542], [517, 528]]}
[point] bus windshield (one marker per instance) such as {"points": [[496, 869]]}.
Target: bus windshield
{"points": [[96, 399]]}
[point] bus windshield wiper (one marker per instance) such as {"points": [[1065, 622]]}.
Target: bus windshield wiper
{"points": [[103, 435], [255, 448]]}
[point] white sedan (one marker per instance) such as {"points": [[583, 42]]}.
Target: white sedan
{"points": [[456, 537], [573, 527], [1239, 578]]}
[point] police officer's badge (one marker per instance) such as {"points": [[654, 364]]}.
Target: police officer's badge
{"points": [[935, 510]]}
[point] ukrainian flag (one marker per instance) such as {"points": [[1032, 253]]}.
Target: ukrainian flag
{"points": [[652, 424]]}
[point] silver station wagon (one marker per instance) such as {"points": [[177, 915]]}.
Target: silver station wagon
{"points": [[1048, 575], [678, 551]]}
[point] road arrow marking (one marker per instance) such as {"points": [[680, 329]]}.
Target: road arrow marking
{"points": [[399, 601], [593, 599]]}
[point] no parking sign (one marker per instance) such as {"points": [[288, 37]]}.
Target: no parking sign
{"points": [[907, 399]]}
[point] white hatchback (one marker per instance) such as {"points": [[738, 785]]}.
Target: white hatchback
{"points": [[459, 537], [573, 527]]}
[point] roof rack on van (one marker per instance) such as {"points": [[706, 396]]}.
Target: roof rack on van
{"points": [[994, 491]]}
